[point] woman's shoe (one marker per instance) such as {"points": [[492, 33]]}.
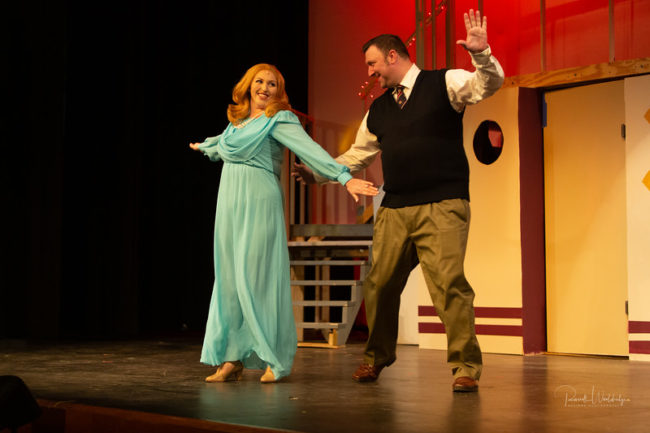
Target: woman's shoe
{"points": [[226, 372], [268, 376]]}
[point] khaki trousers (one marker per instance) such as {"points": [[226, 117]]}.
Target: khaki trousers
{"points": [[435, 235]]}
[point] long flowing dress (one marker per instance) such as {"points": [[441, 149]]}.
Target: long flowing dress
{"points": [[251, 315]]}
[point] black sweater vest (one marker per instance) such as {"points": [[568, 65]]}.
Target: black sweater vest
{"points": [[423, 158]]}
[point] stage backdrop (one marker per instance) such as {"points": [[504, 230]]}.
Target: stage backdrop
{"points": [[107, 214]]}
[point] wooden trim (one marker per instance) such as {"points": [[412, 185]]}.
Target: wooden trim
{"points": [[313, 345], [599, 71]]}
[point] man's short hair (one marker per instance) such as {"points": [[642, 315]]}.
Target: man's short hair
{"points": [[385, 43]]}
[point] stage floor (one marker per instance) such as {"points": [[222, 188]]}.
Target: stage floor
{"points": [[517, 393]]}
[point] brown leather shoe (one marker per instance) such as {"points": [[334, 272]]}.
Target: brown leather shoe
{"points": [[465, 384], [367, 373]]}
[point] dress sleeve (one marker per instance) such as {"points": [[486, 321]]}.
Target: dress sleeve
{"points": [[361, 153], [292, 136], [209, 148]]}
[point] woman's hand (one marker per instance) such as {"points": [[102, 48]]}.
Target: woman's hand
{"points": [[359, 186], [195, 146]]}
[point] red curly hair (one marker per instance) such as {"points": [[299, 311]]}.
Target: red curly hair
{"points": [[241, 95]]}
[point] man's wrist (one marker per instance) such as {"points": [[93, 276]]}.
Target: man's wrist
{"points": [[481, 57]]}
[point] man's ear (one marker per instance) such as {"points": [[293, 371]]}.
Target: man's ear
{"points": [[392, 56]]}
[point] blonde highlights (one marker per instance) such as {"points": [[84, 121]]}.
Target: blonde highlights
{"points": [[241, 95]]}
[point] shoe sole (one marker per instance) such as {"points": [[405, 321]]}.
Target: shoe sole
{"points": [[364, 380], [465, 389]]}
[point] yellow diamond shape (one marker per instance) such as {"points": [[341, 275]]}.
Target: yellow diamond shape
{"points": [[646, 180], [647, 115]]}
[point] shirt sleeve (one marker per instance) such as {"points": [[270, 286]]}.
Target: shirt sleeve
{"points": [[361, 154], [296, 139], [466, 88], [209, 148]]}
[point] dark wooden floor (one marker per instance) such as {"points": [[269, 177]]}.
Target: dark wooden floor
{"points": [[529, 394]]}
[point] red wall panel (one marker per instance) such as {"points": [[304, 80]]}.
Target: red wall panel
{"points": [[632, 29], [576, 33]]}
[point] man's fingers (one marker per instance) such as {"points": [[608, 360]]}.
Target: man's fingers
{"points": [[472, 18]]}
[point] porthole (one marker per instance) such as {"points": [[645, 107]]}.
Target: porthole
{"points": [[488, 142]]}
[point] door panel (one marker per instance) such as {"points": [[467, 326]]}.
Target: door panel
{"points": [[586, 253]]}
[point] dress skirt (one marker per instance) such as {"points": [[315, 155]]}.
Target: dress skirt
{"points": [[251, 314]]}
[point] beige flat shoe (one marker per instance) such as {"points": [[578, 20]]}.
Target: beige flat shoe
{"points": [[227, 372], [268, 376]]}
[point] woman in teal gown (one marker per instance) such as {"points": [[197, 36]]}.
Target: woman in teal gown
{"points": [[250, 321]]}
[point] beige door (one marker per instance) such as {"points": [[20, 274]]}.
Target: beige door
{"points": [[586, 255]]}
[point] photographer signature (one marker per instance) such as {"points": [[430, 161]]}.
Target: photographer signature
{"points": [[596, 398]]}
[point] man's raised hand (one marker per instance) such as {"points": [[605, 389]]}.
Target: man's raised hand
{"points": [[476, 32]]}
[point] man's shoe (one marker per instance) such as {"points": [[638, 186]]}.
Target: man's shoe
{"points": [[465, 384], [367, 373]]}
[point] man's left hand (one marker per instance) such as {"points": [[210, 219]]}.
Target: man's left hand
{"points": [[476, 32]]}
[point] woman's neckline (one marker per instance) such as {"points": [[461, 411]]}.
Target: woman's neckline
{"points": [[248, 120]]}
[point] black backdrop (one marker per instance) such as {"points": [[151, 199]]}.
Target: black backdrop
{"points": [[107, 215]]}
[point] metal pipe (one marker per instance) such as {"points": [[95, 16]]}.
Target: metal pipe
{"points": [[542, 31], [450, 33], [612, 34], [419, 33], [433, 34]]}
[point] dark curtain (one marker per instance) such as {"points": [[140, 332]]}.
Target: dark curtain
{"points": [[107, 215]]}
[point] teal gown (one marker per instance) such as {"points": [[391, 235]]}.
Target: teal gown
{"points": [[251, 315]]}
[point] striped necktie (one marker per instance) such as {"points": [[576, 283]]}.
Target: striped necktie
{"points": [[400, 97]]}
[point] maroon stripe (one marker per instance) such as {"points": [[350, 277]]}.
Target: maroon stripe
{"points": [[426, 310], [499, 313], [439, 328], [516, 331], [640, 347], [431, 328], [531, 198], [638, 327], [491, 312]]}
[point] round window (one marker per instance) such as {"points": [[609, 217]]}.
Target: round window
{"points": [[488, 142]]}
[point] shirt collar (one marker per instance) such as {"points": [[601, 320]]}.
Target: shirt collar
{"points": [[411, 75]]}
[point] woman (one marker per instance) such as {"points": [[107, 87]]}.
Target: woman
{"points": [[250, 323]]}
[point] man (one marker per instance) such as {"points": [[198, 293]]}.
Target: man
{"points": [[424, 216]]}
